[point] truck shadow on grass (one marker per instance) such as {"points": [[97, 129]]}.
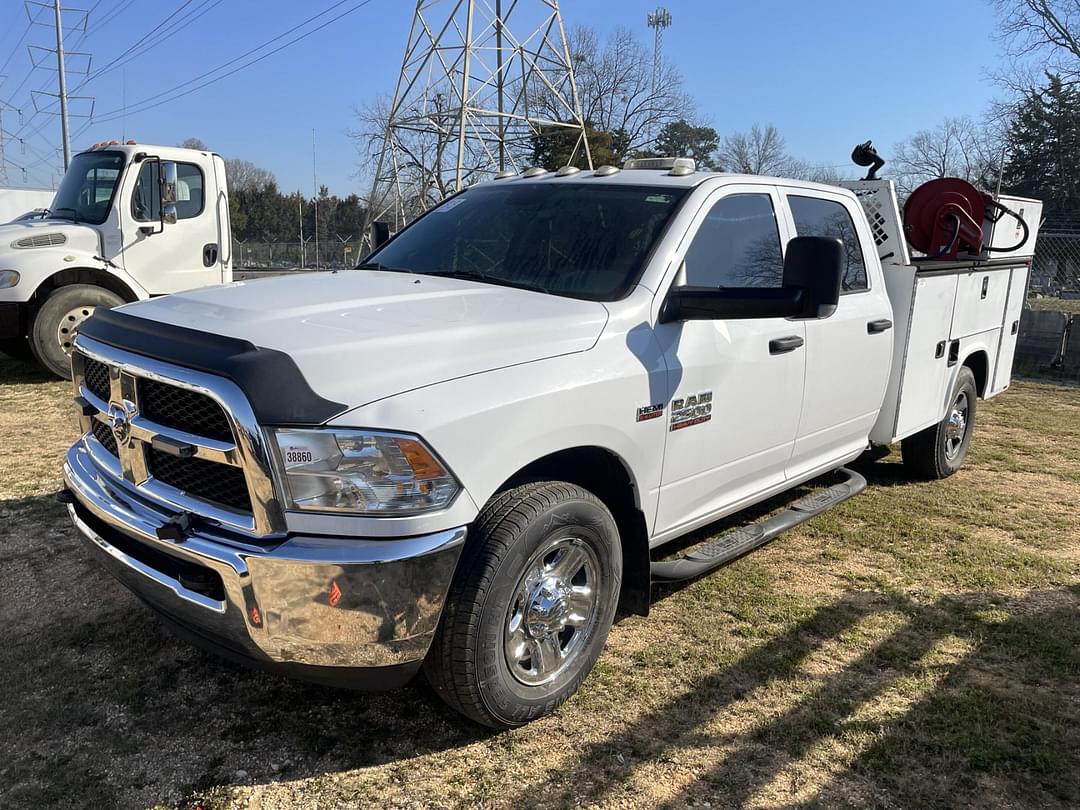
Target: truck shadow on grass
{"points": [[105, 708], [970, 700], [22, 372]]}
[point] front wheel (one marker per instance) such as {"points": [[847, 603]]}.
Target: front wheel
{"points": [[530, 606], [57, 321], [938, 451]]}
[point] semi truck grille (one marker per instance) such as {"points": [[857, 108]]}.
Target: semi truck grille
{"points": [[206, 480], [96, 375], [103, 433], [185, 410]]}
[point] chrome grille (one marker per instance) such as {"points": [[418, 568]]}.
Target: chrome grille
{"points": [[185, 410], [97, 378], [218, 483], [103, 433], [183, 438]]}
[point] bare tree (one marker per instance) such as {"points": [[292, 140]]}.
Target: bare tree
{"points": [[1041, 36], [615, 86], [243, 174], [759, 151], [957, 147]]}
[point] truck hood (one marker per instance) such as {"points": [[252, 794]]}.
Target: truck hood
{"points": [[359, 336]]}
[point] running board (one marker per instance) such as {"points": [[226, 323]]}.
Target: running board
{"points": [[728, 547]]}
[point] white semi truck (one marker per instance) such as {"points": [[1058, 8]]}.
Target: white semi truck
{"points": [[464, 454], [107, 238]]}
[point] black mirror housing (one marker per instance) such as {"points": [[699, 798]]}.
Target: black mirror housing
{"points": [[813, 270], [380, 234], [815, 264]]}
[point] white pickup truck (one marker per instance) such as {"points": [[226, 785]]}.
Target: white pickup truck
{"points": [[108, 238], [463, 455]]}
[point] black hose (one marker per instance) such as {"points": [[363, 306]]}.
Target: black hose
{"points": [[1023, 227]]}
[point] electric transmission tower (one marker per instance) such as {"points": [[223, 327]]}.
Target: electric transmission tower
{"points": [[658, 20], [479, 81]]}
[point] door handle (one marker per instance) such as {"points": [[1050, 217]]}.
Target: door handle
{"points": [[209, 254], [785, 344], [880, 325]]}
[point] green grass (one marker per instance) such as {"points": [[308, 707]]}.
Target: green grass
{"points": [[918, 646], [1054, 304]]}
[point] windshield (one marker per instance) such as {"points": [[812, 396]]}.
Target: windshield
{"points": [[573, 239], [86, 192]]}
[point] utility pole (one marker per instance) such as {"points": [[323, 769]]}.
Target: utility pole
{"points": [[65, 132], [300, 213], [315, 199]]}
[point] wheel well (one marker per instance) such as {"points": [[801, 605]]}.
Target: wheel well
{"points": [[980, 367], [603, 474], [84, 275]]}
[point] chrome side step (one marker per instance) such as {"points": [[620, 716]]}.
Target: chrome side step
{"points": [[736, 543]]}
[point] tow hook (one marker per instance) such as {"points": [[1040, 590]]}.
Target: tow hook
{"points": [[175, 529]]}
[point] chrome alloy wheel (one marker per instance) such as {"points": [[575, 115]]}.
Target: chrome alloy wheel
{"points": [[69, 326], [553, 610], [956, 426]]}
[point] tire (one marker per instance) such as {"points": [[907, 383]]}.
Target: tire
{"points": [[16, 348], [57, 319], [499, 656], [939, 451]]}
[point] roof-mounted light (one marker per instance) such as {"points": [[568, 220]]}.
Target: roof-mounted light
{"points": [[566, 171], [676, 166], [534, 171], [606, 171]]}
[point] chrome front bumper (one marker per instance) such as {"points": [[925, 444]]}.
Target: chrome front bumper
{"points": [[343, 610]]}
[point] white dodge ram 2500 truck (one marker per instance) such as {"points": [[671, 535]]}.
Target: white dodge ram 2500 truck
{"points": [[462, 454]]}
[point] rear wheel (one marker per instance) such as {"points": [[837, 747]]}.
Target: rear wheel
{"points": [[530, 606], [57, 321], [939, 451]]}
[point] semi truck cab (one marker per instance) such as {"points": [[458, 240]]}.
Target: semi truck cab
{"points": [[128, 221]]}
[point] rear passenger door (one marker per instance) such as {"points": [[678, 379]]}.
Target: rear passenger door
{"points": [[734, 385], [848, 354]]}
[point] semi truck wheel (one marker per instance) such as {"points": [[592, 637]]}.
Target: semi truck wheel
{"points": [[939, 451], [530, 606], [57, 320]]}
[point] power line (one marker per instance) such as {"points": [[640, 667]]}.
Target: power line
{"points": [[145, 104]]}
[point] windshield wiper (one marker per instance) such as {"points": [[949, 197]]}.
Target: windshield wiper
{"points": [[74, 213], [385, 267], [475, 275]]}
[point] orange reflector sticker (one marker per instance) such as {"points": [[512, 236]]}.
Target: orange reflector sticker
{"points": [[335, 594], [256, 617]]}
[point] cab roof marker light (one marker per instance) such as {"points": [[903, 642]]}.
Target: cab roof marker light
{"points": [[606, 171], [683, 167], [566, 171], [534, 171], [504, 173]]}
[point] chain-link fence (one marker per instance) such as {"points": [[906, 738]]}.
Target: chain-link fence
{"points": [[1055, 271], [331, 254]]}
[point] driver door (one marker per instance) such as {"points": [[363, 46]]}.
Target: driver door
{"points": [[175, 256], [735, 385]]}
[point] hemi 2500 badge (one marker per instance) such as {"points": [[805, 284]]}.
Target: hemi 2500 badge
{"points": [[692, 410], [647, 412]]}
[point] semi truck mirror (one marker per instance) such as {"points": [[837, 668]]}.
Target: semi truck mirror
{"points": [[168, 182], [380, 234], [168, 214]]}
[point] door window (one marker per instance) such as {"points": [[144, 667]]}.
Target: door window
{"points": [[146, 200], [817, 217], [737, 245]]}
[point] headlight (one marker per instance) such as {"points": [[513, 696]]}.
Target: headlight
{"points": [[8, 278], [361, 471]]}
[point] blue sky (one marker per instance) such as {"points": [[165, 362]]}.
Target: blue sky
{"points": [[828, 74]]}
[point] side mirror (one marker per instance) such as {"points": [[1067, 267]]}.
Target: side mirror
{"points": [[815, 264], [168, 192], [813, 269]]}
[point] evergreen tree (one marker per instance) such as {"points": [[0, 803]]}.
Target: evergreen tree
{"points": [[1044, 150]]}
